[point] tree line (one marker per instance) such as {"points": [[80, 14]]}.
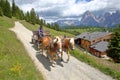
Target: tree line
{"points": [[15, 11], [30, 16]]}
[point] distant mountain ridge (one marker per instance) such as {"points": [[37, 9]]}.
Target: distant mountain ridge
{"points": [[89, 19], [65, 23]]}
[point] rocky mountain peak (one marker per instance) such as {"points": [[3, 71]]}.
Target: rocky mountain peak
{"points": [[107, 14], [88, 14], [89, 18]]}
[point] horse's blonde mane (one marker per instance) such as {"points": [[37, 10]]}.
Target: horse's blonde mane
{"points": [[59, 39], [72, 40]]}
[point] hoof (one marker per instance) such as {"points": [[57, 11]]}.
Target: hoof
{"points": [[67, 60], [37, 49], [53, 65], [42, 54], [47, 57], [61, 59]]}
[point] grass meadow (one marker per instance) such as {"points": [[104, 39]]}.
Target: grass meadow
{"points": [[15, 64], [105, 66]]}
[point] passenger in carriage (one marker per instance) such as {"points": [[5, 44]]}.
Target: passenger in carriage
{"points": [[41, 31]]}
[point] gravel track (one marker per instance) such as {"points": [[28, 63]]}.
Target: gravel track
{"points": [[73, 70]]}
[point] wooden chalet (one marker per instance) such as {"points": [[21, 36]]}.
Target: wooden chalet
{"points": [[96, 42]]}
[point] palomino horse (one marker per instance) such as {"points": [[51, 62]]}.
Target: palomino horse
{"points": [[64, 44], [45, 43], [48, 44], [67, 43], [58, 42]]}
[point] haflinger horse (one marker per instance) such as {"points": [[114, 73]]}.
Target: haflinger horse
{"points": [[67, 43], [57, 41], [64, 44], [48, 44]]}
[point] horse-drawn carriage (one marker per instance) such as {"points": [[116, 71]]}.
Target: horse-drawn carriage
{"points": [[35, 36], [52, 45], [33, 39]]}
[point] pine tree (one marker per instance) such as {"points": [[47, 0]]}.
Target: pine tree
{"points": [[48, 25], [19, 13], [44, 22], [56, 27], [22, 16], [33, 16], [37, 19], [41, 21], [7, 9], [2, 4], [27, 16], [1, 12], [13, 8]]}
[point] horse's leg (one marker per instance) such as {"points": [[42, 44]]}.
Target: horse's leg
{"points": [[68, 55], [61, 55], [38, 46], [55, 55], [48, 53], [52, 59], [42, 50]]}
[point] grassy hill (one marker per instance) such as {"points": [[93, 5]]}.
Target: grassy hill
{"points": [[53, 32], [77, 31], [15, 64], [107, 67]]}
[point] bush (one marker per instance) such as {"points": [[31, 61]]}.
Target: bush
{"points": [[114, 47]]}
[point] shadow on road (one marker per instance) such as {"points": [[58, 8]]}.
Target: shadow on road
{"points": [[59, 62], [35, 47], [46, 62]]}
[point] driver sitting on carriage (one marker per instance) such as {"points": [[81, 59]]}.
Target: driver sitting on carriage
{"points": [[41, 31]]}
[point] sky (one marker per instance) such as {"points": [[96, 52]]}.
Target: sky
{"points": [[67, 9]]}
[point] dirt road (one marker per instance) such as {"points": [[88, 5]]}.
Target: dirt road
{"points": [[73, 70]]}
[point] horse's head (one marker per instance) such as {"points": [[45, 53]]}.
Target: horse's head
{"points": [[55, 39], [71, 41], [58, 42], [35, 37]]}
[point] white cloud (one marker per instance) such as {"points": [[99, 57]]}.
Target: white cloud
{"points": [[67, 7], [80, 8], [114, 4], [26, 7]]}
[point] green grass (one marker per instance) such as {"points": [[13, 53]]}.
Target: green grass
{"points": [[81, 30], [107, 67], [86, 29], [15, 64], [78, 30], [52, 31]]}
